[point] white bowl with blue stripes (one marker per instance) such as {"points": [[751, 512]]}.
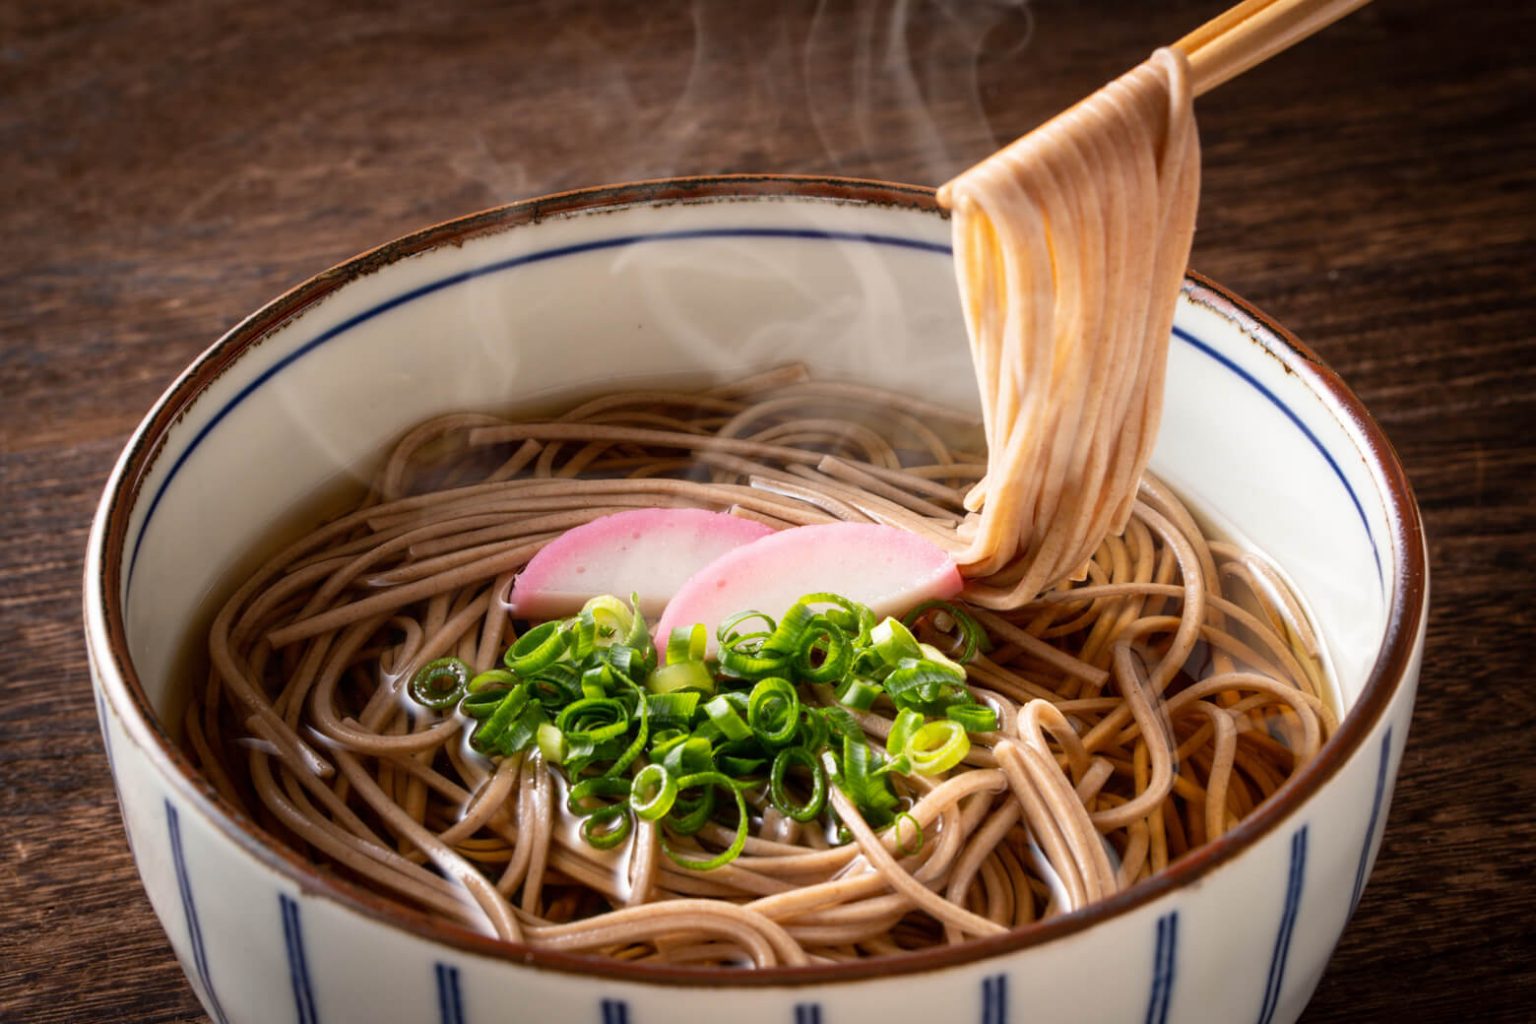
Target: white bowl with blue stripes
{"points": [[718, 277]]}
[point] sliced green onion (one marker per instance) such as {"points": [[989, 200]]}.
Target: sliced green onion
{"points": [[580, 637], [973, 717], [482, 705], [668, 710], [551, 743], [694, 754], [861, 778], [487, 738], [598, 681], [523, 730], [744, 760], [594, 719], [738, 843], [622, 660], [773, 711], [600, 838], [813, 728], [893, 641], [926, 686], [689, 814], [823, 652], [639, 635], [636, 745], [745, 770], [652, 792], [440, 684], [554, 686], [840, 723], [859, 694], [682, 675], [778, 793], [937, 747], [493, 677], [610, 617], [907, 722], [742, 661], [938, 659], [687, 643], [540, 646], [595, 788], [850, 616], [722, 712], [726, 632], [972, 637], [785, 638]]}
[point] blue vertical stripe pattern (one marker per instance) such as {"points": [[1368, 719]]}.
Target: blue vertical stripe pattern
{"points": [[1287, 926], [994, 999], [450, 1004], [298, 967], [1163, 963], [615, 1011], [1370, 828], [189, 908], [807, 1013]]}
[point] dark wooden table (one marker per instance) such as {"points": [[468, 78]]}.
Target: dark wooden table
{"points": [[168, 165]]}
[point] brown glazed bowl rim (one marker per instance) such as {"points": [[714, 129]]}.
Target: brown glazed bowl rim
{"points": [[1393, 660]]}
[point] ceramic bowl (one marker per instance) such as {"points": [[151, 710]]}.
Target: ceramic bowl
{"points": [[715, 278]]}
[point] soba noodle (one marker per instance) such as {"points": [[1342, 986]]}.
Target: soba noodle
{"points": [[1150, 685], [1141, 713], [1070, 247]]}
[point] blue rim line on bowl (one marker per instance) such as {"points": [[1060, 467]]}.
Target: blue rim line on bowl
{"points": [[622, 241]]}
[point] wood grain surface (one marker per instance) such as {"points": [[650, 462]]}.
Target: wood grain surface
{"points": [[168, 165]]}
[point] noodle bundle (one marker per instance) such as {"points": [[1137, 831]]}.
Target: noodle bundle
{"points": [[1139, 713], [1070, 249]]}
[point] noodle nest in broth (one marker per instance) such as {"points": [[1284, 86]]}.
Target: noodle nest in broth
{"points": [[1140, 711]]}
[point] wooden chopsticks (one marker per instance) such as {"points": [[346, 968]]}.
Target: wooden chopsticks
{"points": [[1251, 32]]}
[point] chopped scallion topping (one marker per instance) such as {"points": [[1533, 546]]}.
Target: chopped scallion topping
{"points": [[664, 743], [440, 684]]}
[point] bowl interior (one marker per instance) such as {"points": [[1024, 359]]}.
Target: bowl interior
{"points": [[525, 308]]}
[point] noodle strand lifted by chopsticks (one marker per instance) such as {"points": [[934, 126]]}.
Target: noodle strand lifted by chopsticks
{"points": [[1070, 249]]}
